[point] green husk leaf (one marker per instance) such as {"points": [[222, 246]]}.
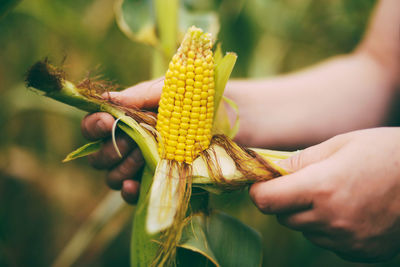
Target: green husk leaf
{"points": [[235, 128], [223, 71], [218, 54], [84, 150], [222, 124], [223, 240], [144, 249], [143, 139]]}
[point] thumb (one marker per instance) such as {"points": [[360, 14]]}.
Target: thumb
{"points": [[145, 95], [313, 154], [295, 192]]}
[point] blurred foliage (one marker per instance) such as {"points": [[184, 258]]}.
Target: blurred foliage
{"points": [[43, 202], [7, 5]]}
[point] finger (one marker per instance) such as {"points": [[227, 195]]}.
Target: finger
{"points": [[282, 195], [127, 169], [97, 125], [320, 239], [301, 221], [108, 157], [313, 154], [145, 95], [130, 191], [366, 257], [290, 193]]}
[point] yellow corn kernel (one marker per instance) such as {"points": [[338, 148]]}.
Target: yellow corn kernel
{"points": [[190, 75], [189, 141], [198, 70], [181, 144], [179, 158], [181, 90], [190, 68], [187, 101], [185, 119]]}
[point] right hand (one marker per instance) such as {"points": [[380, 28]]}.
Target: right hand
{"points": [[123, 173]]}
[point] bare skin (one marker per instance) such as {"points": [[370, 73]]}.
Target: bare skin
{"points": [[344, 193]]}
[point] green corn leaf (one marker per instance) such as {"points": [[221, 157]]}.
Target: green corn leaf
{"points": [[156, 22], [232, 242], [194, 238], [167, 30], [167, 25], [84, 150], [206, 20], [136, 20], [223, 240]]}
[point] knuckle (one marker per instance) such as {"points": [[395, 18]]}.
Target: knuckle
{"points": [[298, 161], [265, 206], [339, 225], [135, 158], [85, 130], [343, 227], [113, 181], [263, 201], [112, 157], [323, 190], [124, 170], [109, 154], [94, 160]]}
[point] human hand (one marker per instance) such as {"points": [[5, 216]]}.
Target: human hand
{"points": [[123, 173], [344, 194]]}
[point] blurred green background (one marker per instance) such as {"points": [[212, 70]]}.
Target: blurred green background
{"points": [[43, 202]]}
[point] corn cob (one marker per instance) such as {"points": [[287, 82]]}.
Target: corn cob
{"points": [[185, 118], [186, 108]]}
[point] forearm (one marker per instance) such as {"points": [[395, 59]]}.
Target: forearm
{"points": [[339, 95], [342, 94]]}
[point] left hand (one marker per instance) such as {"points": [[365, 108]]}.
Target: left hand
{"points": [[343, 194]]}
